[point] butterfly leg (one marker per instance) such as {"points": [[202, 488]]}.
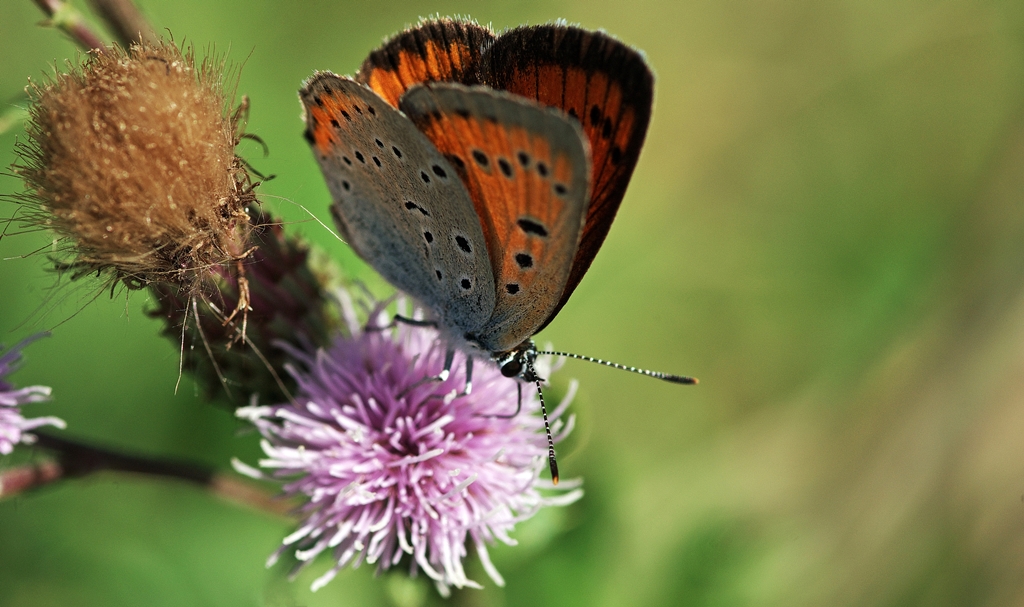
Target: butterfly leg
{"points": [[469, 377], [519, 404], [412, 322], [449, 358]]}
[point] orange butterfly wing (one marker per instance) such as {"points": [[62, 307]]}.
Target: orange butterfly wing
{"points": [[527, 171], [590, 76], [596, 79], [443, 50]]}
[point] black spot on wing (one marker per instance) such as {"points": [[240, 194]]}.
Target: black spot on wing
{"points": [[412, 206], [532, 227], [616, 154]]}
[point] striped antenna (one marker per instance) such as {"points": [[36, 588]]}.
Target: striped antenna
{"points": [[551, 443], [675, 379], [530, 375]]}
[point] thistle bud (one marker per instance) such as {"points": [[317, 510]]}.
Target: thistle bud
{"points": [[131, 160], [287, 303]]}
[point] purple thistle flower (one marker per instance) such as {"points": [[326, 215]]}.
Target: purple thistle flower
{"points": [[13, 426], [393, 465]]}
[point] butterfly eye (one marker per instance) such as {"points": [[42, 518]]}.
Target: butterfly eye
{"points": [[512, 368]]}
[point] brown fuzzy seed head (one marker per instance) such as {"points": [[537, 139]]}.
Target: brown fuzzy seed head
{"points": [[131, 157]]}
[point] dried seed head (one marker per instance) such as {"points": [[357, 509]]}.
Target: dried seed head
{"points": [[131, 158]]}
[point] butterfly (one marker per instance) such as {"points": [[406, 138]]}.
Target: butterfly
{"points": [[480, 173]]}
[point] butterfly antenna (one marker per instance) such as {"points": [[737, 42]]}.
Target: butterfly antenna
{"points": [[547, 431], [675, 379]]}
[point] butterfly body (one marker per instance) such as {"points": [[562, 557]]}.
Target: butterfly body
{"points": [[480, 173]]}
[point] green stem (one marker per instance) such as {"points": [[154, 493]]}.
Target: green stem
{"points": [[66, 18]]}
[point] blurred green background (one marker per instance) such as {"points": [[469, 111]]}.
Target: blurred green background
{"points": [[826, 227]]}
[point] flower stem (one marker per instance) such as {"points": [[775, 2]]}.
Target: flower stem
{"points": [[79, 459], [74, 459], [126, 21], [64, 17], [22, 478]]}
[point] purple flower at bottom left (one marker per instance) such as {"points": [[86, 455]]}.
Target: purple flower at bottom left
{"points": [[14, 427]]}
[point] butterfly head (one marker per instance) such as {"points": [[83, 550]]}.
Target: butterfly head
{"points": [[519, 362]]}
